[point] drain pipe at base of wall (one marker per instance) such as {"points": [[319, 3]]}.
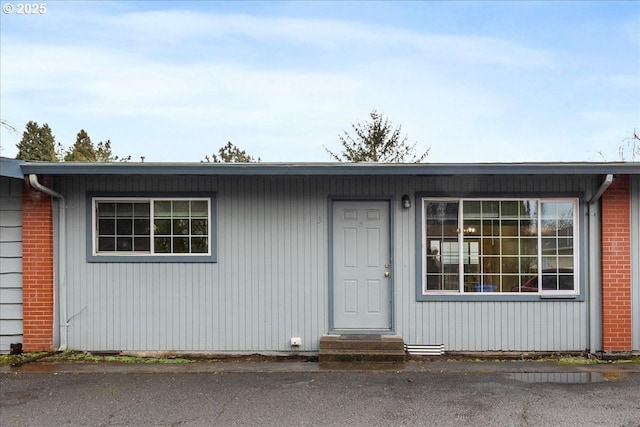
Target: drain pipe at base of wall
{"points": [[61, 295], [595, 298]]}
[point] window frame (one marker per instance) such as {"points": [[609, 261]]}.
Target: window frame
{"points": [[93, 255], [579, 248]]}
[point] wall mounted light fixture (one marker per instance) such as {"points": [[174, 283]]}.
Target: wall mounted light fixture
{"points": [[406, 202]]}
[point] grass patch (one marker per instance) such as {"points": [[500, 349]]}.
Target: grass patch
{"points": [[20, 359], [575, 360], [636, 360], [82, 357]]}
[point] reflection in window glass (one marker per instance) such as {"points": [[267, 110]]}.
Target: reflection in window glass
{"points": [[441, 243], [498, 245], [124, 226]]}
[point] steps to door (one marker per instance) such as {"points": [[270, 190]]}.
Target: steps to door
{"points": [[361, 348]]}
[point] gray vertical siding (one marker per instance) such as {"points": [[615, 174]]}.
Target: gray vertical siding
{"points": [[10, 262], [271, 278], [635, 261]]}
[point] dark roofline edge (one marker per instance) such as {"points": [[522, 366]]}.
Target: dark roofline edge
{"points": [[129, 168]]}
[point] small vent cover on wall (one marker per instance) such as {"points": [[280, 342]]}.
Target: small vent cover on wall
{"points": [[425, 349]]}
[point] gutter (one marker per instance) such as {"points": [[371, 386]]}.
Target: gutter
{"points": [[59, 297], [595, 283]]}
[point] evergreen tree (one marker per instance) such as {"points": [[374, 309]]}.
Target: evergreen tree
{"points": [[376, 141], [83, 149], [230, 154], [104, 154], [38, 143]]}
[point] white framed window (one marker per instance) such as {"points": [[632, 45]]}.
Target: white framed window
{"points": [[518, 246], [151, 227]]}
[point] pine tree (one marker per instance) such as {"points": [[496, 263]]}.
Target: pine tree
{"points": [[376, 141], [83, 149], [104, 153], [230, 154], [38, 143]]}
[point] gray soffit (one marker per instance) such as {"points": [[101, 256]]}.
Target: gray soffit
{"points": [[329, 169]]}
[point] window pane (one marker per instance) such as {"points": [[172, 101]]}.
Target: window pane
{"points": [[510, 228], [528, 265], [511, 265], [565, 228], [199, 209], [509, 209], [549, 262], [124, 226], [549, 227], [141, 244], [529, 227], [107, 244], [199, 245], [141, 210], [566, 282], [199, 227], [141, 227], [162, 227], [162, 209], [180, 208], [491, 228], [436, 209], [450, 282], [490, 209], [471, 209], [180, 245], [106, 209], [529, 209], [471, 227], [106, 226], [162, 245], [124, 244], [441, 246], [180, 226], [510, 246], [529, 246], [434, 270], [124, 210], [510, 283]]}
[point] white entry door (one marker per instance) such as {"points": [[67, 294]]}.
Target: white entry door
{"points": [[361, 265]]}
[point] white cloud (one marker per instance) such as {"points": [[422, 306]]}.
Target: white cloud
{"points": [[280, 87]]}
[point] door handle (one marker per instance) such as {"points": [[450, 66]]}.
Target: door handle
{"points": [[386, 274]]}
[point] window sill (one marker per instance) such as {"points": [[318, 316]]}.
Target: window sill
{"points": [[559, 296], [498, 298], [151, 258]]}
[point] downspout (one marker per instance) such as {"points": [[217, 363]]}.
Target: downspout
{"points": [[61, 295], [595, 252]]}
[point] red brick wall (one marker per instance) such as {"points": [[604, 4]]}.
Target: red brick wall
{"points": [[37, 270], [616, 266]]}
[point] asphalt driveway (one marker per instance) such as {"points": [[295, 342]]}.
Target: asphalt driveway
{"points": [[302, 393]]}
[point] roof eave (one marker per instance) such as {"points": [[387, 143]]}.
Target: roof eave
{"points": [[320, 169]]}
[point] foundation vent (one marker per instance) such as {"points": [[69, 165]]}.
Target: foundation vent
{"points": [[425, 349]]}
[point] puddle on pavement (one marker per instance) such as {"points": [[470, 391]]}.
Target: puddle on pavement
{"points": [[564, 377]]}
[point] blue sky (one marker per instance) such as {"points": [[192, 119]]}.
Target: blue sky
{"points": [[475, 81]]}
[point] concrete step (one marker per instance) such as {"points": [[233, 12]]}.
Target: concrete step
{"points": [[371, 348]]}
